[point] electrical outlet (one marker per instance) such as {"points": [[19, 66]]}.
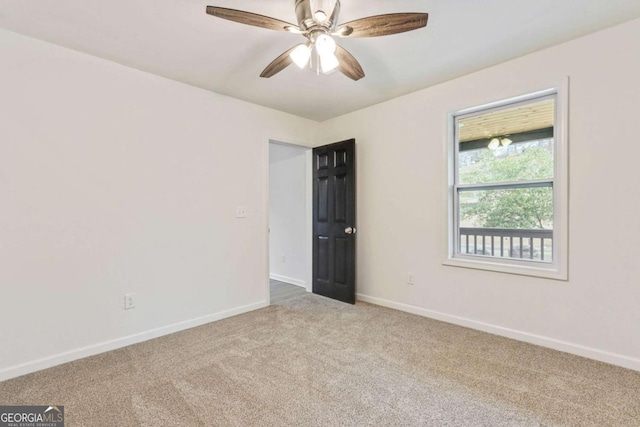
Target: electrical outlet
{"points": [[410, 279], [241, 212], [129, 301], [283, 258]]}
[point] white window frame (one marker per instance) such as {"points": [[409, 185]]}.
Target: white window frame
{"points": [[558, 267]]}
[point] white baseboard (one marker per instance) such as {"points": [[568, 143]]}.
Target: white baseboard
{"points": [[567, 347], [289, 280], [69, 356]]}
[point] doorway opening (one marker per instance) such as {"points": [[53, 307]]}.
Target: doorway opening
{"points": [[290, 224]]}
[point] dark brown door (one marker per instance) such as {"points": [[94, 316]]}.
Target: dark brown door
{"points": [[334, 221]]}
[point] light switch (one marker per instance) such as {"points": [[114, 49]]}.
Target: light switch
{"points": [[241, 212]]}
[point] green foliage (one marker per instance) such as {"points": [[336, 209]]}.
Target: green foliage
{"points": [[513, 208]]}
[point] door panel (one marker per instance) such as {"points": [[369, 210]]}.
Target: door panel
{"points": [[342, 158], [323, 199], [324, 261], [323, 161], [334, 216], [341, 204], [341, 270]]}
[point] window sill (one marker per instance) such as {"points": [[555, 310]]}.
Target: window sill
{"points": [[546, 271]]}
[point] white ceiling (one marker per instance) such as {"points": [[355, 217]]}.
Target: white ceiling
{"points": [[178, 40]]}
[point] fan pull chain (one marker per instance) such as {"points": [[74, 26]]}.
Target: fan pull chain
{"points": [[311, 62]]}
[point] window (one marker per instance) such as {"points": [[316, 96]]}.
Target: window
{"points": [[508, 197]]}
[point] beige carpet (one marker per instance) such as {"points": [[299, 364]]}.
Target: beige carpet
{"points": [[310, 361]]}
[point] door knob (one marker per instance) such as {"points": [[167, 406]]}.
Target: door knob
{"points": [[350, 230]]}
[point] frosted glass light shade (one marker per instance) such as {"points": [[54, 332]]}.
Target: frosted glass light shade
{"points": [[320, 17], [300, 55], [325, 6], [325, 45], [329, 62]]}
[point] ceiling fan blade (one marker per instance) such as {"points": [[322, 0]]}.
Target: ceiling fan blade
{"points": [[251, 19], [349, 66], [278, 64], [383, 25]]}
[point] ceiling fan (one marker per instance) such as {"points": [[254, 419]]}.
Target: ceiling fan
{"points": [[318, 23]]}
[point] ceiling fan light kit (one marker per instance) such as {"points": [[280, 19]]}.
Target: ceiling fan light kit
{"points": [[329, 63], [495, 143], [317, 22], [301, 54]]}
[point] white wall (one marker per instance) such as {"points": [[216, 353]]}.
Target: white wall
{"points": [[402, 179], [112, 181], [288, 213]]}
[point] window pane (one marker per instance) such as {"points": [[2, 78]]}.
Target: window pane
{"points": [[518, 208], [507, 223], [512, 144], [518, 162]]}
